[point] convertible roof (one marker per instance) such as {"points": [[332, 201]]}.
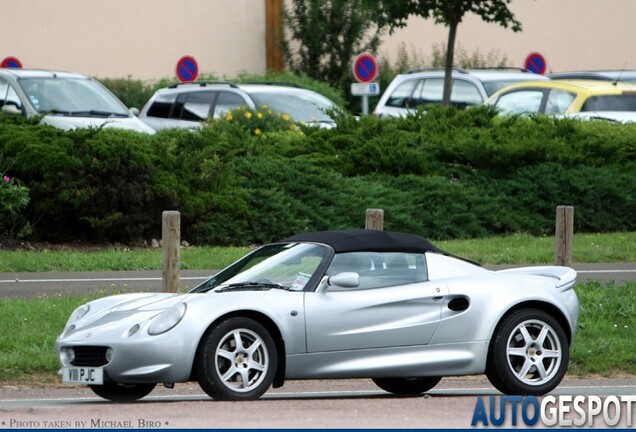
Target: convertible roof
{"points": [[359, 240]]}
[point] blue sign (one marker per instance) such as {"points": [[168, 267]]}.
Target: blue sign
{"points": [[365, 68], [535, 62], [11, 62], [187, 69]]}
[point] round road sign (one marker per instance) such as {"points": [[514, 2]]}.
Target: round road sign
{"points": [[187, 69], [11, 62], [365, 68], [535, 62]]}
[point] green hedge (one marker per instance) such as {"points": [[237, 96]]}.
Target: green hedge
{"points": [[444, 174]]}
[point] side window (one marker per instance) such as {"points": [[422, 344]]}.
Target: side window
{"points": [[197, 106], [521, 101], [401, 95], [465, 93], [161, 106], [227, 101], [428, 91], [558, 101], [381, 269], [8, 95]]}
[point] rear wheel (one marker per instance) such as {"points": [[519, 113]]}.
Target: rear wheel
{"points": [[408, 385], [122, 392], [528, 353], [238, 360]]}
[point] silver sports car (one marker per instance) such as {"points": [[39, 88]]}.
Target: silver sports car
{"points": [[337, 304]]}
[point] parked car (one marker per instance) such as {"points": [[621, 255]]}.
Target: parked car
{"points": [[66, 100], [187, 105], [565, 96], [334, 304], [602, 75], [610, 116], [426, 86]]}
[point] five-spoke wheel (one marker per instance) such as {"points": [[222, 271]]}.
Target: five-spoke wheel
{"points": [[238, 360]]}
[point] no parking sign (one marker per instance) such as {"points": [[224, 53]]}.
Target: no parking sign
{"points": [[187, 69], [535, 62], [11, 62]]}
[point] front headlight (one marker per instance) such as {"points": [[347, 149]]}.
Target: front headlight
{"points": [[79, 313], [167, 319]]}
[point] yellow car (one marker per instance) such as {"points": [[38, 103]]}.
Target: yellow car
{"points": [[564, 97]]}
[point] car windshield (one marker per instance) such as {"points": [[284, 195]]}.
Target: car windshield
{"points": [[72, 96], [301, 107], [282, 265]]}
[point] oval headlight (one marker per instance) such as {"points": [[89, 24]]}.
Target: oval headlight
{"points": [[167, 319], [79, 313]]}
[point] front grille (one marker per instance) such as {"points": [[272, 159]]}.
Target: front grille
{"points": [[89, 356]]}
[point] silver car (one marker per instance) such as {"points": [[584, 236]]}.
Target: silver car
{"points": [[337, 304], [65, 100]]}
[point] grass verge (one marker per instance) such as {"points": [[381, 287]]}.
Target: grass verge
{"points": [[603, 343]]}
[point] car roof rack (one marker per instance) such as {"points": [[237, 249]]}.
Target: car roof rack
{"points": [[502, 68], [203, 84], [434, 69], [278, 83]]}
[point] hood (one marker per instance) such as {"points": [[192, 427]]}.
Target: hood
{"points": [[70, 123]]}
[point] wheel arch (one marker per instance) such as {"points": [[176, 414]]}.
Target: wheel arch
{"points": [[262, 319], [541, 305]]}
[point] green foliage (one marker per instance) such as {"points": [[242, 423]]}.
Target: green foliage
{"points": [[132, 92], [324, 37]]}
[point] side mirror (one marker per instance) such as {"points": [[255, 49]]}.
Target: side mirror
{"points": [[134, 111], [345, 280], [11, 109]]}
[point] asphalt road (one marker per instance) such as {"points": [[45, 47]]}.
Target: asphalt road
{"points": [[31, 285], [298, 404]]}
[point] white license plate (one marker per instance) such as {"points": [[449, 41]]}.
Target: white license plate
{"points": [[83, 375]]}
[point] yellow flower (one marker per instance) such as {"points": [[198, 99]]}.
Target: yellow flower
{"points": [[228, 116], [259, 115], [257, 131], [286, 117], [248, 115], [269, 111]]}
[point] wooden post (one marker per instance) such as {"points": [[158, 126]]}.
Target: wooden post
{"points": [[171, 237], [563, 235], [374, 219], [274, 35]]}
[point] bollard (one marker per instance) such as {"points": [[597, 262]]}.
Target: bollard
{"points": [[374, 219], [563, 235], [171, 238]]}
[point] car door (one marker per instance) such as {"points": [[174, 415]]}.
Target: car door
{"points": [[392, 306]]}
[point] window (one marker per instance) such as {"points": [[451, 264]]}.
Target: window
{"points": [[402, 94], [623, 102], [465, 93], [8, 96], [381, 269], [558, 101], [197, 106], [428, 91], [521, 101], [162, 105], [227, 101]]}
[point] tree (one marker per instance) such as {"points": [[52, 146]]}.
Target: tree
{"points": [[324, 37], [394, 13]]}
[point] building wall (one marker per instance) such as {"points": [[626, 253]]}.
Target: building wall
{"points": [[141, 38], [570, 34], [145, 38]]}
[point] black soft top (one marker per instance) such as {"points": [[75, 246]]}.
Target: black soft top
{"points": [[360, 240]]}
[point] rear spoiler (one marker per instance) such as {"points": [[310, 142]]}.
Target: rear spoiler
{"points": [[565, 276]]}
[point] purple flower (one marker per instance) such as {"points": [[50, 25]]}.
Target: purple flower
{"points": [[6, 179]]}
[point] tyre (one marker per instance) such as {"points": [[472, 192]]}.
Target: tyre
{"points": [[407, 386], [122, 392], [528, 354], [237, 361]]}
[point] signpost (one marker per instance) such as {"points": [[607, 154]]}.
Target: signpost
{"points": [[365, 69], [11, 62], [535, 62], [187, 69]]}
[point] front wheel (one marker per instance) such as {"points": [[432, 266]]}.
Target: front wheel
{"points": [[237, 361], [528, 354], [407, 386], [120, 392]]}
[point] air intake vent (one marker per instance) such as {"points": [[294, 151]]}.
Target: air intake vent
{"points": [[458, 304]]}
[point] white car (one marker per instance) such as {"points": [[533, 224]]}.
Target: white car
{"points": [[186, 105], [66, 100], [426, 86]]}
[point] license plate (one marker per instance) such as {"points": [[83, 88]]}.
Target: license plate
{"points": [[83, 375]]}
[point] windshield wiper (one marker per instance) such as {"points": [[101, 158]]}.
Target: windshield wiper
{"points": [[257, 284], [96, 113]]}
